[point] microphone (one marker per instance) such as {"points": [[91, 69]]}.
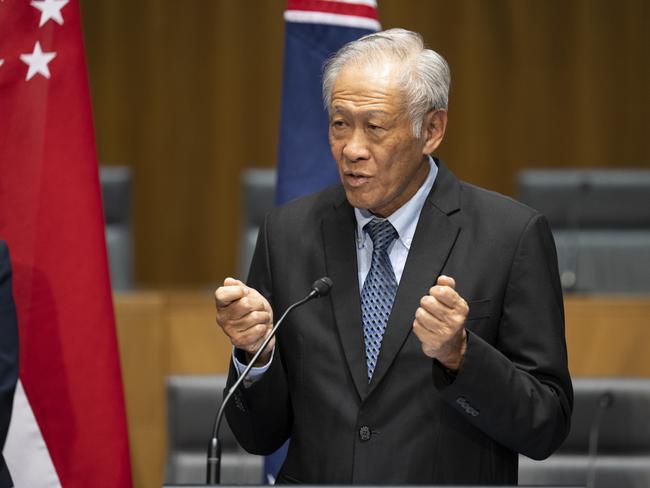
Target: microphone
{"points": [[320, 288], [574, 223], [604, 402]]}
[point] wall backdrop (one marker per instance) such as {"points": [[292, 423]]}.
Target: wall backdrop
{"points": [[188, 94]]}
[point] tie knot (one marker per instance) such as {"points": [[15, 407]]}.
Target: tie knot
{"points": [[382, 233]]}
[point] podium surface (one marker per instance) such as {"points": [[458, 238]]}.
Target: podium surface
{"points": [[382, 486]]}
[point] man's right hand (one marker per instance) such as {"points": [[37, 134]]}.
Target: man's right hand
{"points": [[246, 318]]}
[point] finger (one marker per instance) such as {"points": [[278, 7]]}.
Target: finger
{"points": [[233, 282], [435, 325], [254, 294], [250, 339], [429, 341], [445, 280], [240, 324], [446, 295], [243, 307], [225, 295], [251, 303], [436, 309], [442, 316]]}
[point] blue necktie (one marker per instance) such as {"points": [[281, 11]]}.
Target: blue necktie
{"points": [[378, 291]]}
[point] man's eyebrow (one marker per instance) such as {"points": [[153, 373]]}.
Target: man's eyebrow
{"points": [[342, 110], [376, 112]]}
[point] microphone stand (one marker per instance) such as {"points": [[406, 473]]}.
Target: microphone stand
{"points": [[320, 288], [574, 223], [604, 402]]}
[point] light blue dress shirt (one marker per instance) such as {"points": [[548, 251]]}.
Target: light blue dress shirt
{"points": [[404, 219]]}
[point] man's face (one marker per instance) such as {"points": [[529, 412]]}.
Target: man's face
{"points": [[380, 162]]}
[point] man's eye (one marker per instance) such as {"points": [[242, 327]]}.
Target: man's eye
{"points": [[374, 127], [338, 123]]}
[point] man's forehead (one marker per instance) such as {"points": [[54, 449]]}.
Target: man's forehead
{"points": [[339, 108], [378, 71], [361, 89]]}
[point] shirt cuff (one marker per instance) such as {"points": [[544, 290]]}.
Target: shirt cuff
{"points": [[255, 373]]}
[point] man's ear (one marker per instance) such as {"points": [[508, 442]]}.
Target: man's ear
{"points": [[435, 124]]}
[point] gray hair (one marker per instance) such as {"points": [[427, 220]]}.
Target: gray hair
{"points": [[425, 79]]}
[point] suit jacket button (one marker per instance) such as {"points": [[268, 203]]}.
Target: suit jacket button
{"points": [[364, 433]]}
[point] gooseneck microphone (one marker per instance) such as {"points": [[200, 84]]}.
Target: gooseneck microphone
{"points": [[574, 224], [320, 288], [604, 402]]}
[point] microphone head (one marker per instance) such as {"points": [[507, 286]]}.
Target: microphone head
{"points": [[606, 399], [322, 286]]}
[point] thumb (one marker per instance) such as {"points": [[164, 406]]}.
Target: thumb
{"points": [[446, 281], [233, 282]]}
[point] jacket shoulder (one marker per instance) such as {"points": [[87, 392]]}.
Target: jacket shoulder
{"points": [[487, 204], [310, 208]]}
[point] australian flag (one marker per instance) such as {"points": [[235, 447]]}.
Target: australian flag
{"points": [[314, 31]]}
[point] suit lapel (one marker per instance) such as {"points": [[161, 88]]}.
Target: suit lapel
{"points": [[341, 264], [434, 239]]}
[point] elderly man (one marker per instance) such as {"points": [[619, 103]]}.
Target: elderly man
{"points": [[440, 353]]}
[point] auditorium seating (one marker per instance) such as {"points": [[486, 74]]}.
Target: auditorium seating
{"points": [[623, 459], [258, 187], [601, 224], [116, 195], [192, 403]]}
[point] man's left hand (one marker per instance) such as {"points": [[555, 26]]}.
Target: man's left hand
{"points": [[440, 323]]}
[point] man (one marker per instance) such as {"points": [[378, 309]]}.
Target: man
{"points": [[440, 352], [8, 356]]}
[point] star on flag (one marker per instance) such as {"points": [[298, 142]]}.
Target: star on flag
{"points": [[50, 9], [37, 62]]}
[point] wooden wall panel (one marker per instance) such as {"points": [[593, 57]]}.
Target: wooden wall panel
{"points": [[188, 94], [195, 343], [142, 338], [608, 336]]}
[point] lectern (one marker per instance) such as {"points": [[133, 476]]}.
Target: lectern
{"points": [[378, 486]]}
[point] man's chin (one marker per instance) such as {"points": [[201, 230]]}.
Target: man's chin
{"points": [[356, 200]]}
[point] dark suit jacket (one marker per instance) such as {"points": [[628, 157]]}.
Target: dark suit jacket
{"points": [[413, 423], [8, 356]]}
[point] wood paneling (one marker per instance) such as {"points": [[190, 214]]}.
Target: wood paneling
{"points": [[142, 337], [608, 336], [188, 94], [162, 333], [195, 343]]}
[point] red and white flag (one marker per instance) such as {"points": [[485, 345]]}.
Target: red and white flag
{"points": [[68, 426]]}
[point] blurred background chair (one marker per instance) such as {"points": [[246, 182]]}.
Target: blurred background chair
{"points": [[192, 403], [623, 459], [601, 224], [258, 187], [116, 195]]}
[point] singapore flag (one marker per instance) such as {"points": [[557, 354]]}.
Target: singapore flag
{"points": [[68, 425]]}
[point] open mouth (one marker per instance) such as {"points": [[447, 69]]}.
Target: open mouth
{"points": [[356, 179]]}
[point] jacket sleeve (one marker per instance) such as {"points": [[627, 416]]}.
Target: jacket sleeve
{"points": [[260, 415], [518, 390], [8, 344]]}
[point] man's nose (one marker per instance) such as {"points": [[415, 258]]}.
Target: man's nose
{"points": [[356, 148]]}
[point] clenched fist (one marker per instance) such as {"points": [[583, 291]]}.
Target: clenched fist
{"points": [[440, 323], [245, 316]]}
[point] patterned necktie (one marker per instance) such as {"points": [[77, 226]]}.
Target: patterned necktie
{"points": [[378, 291]]}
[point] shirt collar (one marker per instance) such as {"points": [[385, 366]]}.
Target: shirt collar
{"points": [[405, 218]]}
